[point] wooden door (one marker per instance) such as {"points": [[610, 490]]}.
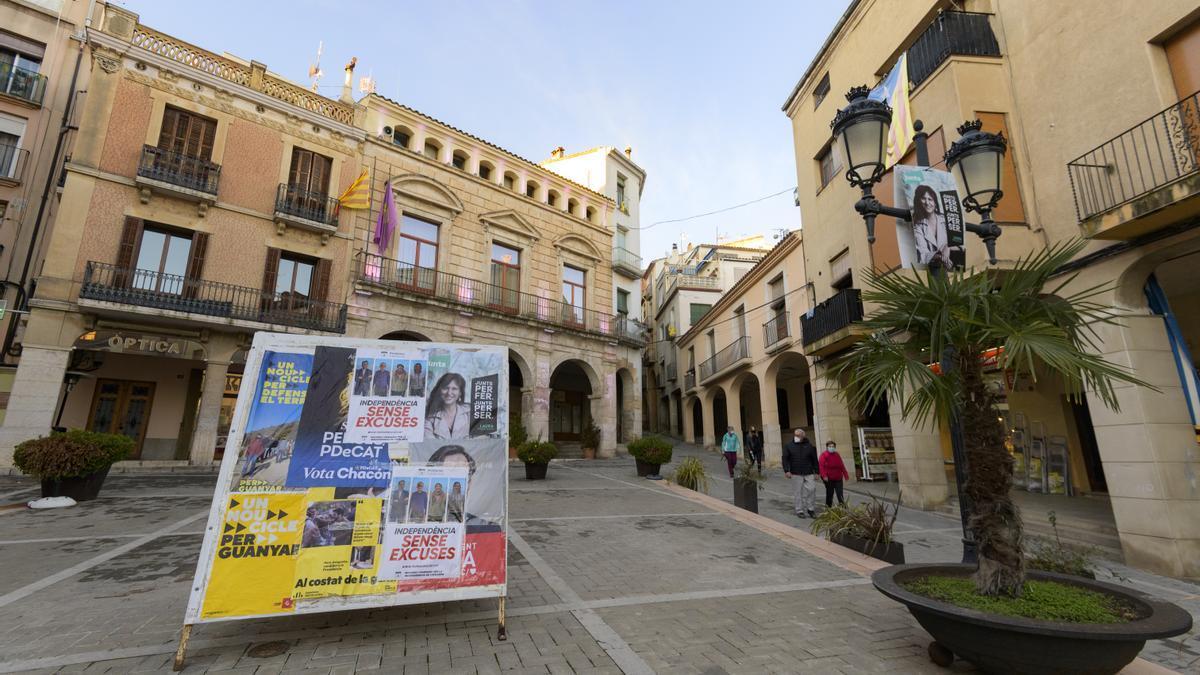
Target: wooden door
{"points": [[1183, 121], [122, 407]]}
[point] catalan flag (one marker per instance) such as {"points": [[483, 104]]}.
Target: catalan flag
{"points": [[894, 90], [358, 195]]}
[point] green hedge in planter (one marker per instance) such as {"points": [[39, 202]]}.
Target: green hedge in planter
{"points": [[651, 449], [537, 452], [71, 454]]}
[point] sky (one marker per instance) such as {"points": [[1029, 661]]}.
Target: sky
{"points": [[694, 87]]}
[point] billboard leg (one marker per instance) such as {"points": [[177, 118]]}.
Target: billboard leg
{"points": [[502, 632], [182, 651]]}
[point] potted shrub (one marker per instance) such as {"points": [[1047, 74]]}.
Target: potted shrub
{"points": [[1041, 327], [691, 474], [516, 435], [590, 440], [536, 455], [650, 453], [72, 463], [746, 480], [866, 528]]}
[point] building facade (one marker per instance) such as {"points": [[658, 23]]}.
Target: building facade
{"points": [[170, 250], [1109, 156]]}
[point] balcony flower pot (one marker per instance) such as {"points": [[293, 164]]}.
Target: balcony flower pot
{"points": [[72, 463], [891, 552], [535, 471], [1004, 644], [745, 494]]}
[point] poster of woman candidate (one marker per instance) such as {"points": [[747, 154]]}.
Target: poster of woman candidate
{"points": [[306, 516], [935, 235]]}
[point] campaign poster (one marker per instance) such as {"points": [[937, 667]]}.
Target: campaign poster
{"points": [[271, 431], [309, 518], [257, 542], [324, 454], [935, 235]]}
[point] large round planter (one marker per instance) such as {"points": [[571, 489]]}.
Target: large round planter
{"points": [[745, 494], [646, 469], [535, 471], [1002, 644], [80, 489]]}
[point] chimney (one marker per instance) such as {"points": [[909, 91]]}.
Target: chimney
{"points": [[558, 152], [347, 86], [629, 151]]}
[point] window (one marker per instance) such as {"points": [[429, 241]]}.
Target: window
{"points": [[309, 175], [531, 188], [3, 211], [821, 91], [621, 194], [622, 239], [712, 343], [417, 253], [573, 288], [590, 214], [622, 302], [401, 137], [840, 273], [739, 323], [187, 134], [432, 149], [162, 261], [697, 311], [20, 61], [459, 160], [506, 277], [485, 171], [775, 293], [294, 280], [573, 207], [10, 144], [829, 164], [552, 198], [510, 181]]}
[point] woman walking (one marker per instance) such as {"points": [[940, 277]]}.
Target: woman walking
{"points": [[833, 472]]}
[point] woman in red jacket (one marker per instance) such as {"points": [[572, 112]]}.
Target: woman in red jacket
{"points": [[833, 472]]}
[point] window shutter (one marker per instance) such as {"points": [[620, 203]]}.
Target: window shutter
{"points": [[131, 234], [195, 266], [270, 273], [320, 285], [166, 136]]}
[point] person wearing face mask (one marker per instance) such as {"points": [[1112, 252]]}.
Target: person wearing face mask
{"points": [[800, 464], [730, 444], [833, 472]]}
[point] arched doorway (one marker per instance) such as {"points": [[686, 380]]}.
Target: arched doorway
{"points": [[749, 403], [793, 393], [720, 414], [697, 421], [571, 389], [405, 335]]}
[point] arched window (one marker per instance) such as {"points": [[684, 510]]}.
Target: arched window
{"points": [[510, 180], [432, 149], [459, 160], [531, 189], [402, 136], [552, 197], [591, 214], [486, 169], [573, 207]]}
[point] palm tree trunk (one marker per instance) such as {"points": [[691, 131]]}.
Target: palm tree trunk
{"points": [[994, 518]]}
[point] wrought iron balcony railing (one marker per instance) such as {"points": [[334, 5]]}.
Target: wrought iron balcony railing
{"points": [[832, 315], [1153, 153], [776, 329], [317, 207], [155, 290], [12, 162], [27, 85], [736, 351], [192, 173], [429, 283], [950, 34]]}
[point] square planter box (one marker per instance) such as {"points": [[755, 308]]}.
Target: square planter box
{"points": [[646, 469], [745, 494], [80, 489]]}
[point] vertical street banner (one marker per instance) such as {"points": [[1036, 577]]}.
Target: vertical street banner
{"points": [[358, 474], [935, 235]]}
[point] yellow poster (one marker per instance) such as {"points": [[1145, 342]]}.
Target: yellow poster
{"points": [[339, 552], [255, 555]]}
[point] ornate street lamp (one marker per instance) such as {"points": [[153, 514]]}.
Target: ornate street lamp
{"points": [[977, 160], [862, 130]]}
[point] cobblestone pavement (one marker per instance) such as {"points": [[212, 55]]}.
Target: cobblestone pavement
{"points": [[937, 537], [607, 574]]}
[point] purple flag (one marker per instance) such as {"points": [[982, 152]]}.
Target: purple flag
{"points": [[385, 227]]}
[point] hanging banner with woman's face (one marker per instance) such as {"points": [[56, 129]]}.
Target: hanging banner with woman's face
{"points": [[370, 473], [935, 235]]}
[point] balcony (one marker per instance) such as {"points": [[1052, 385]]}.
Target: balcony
{"points": [[950, 34], [306, 209], [627, 263], [173, 173], [776, 331], [737, 351], [1144, 179], [691, 282], [689, 380], [672, 371], [830, 326], [168, 292], [428, 284], [27, 86], [12, 164]]}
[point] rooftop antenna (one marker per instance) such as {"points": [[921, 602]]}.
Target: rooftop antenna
{"points": [[314, 71]]}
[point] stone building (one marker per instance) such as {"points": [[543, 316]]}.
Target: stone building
{"points": [[1107, 153], [42, 67]]}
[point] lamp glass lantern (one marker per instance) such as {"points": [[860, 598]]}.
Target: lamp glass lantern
{"points": [[862, 130], [977, 161]]}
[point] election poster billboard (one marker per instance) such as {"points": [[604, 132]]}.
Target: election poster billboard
{"points": [[358, 474], [935, 235]]}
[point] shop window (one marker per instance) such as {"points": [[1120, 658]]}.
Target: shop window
{"points": [[506, 277]]}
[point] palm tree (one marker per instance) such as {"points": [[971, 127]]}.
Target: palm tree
{"points": [[1042, 327]]}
